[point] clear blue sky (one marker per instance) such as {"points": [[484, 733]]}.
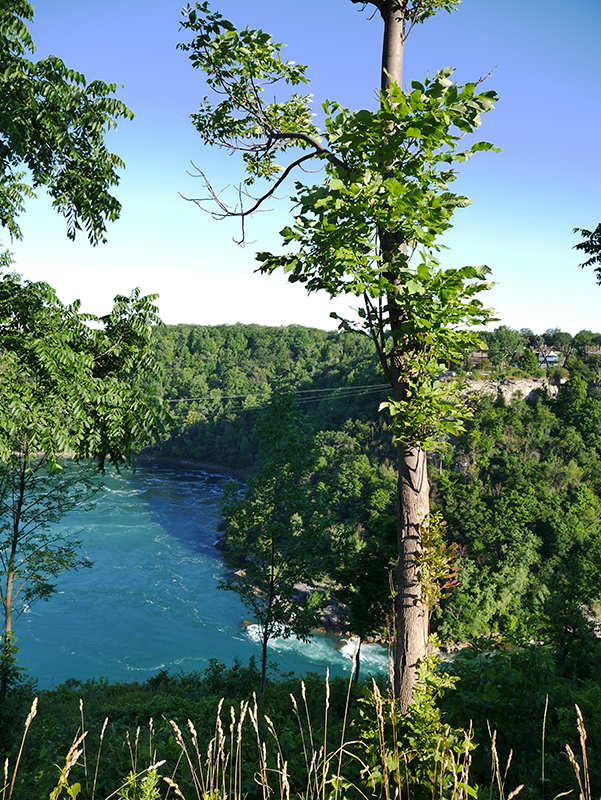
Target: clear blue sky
{"points": [[526, 201]]}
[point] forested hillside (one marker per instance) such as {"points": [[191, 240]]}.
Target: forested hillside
{"points": [[519, 492], [513, 552], [222, 374]]}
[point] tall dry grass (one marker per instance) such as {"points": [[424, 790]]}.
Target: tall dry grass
{"points": [[217, 774]]}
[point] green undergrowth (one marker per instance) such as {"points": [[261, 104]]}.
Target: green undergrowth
{"points": [[482, 726], [529, 700], [139, 730]]}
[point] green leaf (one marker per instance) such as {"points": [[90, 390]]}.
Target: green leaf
{"points": [[485, 146], [414, 286]]}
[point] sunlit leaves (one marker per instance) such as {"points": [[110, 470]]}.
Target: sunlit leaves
{"points": [[421, 10], [52, 124], [417, 136], [400, 167], [386, 195], [67, 387], [241, 66]]}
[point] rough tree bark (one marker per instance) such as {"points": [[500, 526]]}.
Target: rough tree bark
{"points": [[413, 509], [413, 494]]}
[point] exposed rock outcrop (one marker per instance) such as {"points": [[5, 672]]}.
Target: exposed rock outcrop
{"points": [[508, 388]]}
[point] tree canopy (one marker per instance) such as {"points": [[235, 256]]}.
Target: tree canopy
{"points": [[368, 230], [52, 126], [68, 387], [521, 498], [217, 378]]}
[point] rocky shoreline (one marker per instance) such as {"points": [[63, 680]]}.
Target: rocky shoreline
{"points": [[217, 469], [331, 616]]}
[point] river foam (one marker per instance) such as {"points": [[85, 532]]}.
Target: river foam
{"points": [[151, 600]]}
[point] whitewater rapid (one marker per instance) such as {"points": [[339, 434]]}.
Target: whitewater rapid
{"points": [[151, 600]]}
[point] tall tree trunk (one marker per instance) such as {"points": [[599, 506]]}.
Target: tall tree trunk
{"points": [[413, 508], [413, 493], [394, 15]]}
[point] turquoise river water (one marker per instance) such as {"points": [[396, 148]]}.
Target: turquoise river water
{"points": [[151, 601]]}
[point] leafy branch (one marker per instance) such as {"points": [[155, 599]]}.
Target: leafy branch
{"points": [[591, 245]]}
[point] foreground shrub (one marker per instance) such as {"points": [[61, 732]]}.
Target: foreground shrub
{"points": [[173, 736], [524, 696]]}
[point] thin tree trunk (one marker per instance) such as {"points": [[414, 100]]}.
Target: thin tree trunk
{"points": [[413, 493], [268, 618], [264, 661], [7, 654], [8, 600], [358, 661]]}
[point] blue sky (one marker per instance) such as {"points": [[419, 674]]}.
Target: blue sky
{"points": [[526, 201]]}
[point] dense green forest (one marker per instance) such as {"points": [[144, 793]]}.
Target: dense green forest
{"points": [[518, 492], [516, 499], [216, 377], [517, 506], [219, 376]]}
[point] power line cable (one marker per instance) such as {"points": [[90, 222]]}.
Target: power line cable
{"points": [[348, 390]]}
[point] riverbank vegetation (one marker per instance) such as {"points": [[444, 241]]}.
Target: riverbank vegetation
{"points": [[518, 491], [206, 734], [517, 499]]}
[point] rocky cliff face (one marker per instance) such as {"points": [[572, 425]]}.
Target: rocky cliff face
{"points": [[508, 388]]}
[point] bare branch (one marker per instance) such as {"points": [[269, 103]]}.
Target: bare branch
{"points": [[241, 242], [486, 77], [308, 172], [214, 197], [480, 80], [379, 4], [226, 211], [271, 138]]}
